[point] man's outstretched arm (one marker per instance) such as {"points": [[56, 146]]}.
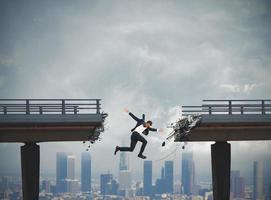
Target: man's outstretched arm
{"points": [[132, 115], [156, 129]]}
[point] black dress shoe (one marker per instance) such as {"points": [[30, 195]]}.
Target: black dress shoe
{"points": [[141, 156], [116, 150]]}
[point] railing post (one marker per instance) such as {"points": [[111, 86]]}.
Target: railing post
{"points": [[263, 107], [40, 110], [63, 107], [5, 110], [242, 110], [98, 106], [27, 107], [210, 110], [230, 107], [75, 110]]}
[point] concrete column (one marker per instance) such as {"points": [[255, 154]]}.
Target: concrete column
{"points": [[30, 161], [221, 166]]}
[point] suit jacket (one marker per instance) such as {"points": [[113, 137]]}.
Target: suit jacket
{"points": [[140, 122]]}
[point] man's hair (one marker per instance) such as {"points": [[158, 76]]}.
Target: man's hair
{"points": [[149, 122]]}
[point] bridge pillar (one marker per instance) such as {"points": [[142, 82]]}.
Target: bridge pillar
{"points": [[30, 161], [221, 166]]}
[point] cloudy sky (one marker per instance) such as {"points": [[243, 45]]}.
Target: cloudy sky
{"points": [[149, 56]]}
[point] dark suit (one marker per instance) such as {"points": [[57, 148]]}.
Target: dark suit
{"points": [[135, 137]]}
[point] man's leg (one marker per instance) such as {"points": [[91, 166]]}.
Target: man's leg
{"points": [[132, 145], [144, 143]]}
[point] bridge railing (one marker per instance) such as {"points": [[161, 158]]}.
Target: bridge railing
{"points": [[230, 107], [49, 106]]}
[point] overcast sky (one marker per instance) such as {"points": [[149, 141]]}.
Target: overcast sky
{"points": [[149, 56]]}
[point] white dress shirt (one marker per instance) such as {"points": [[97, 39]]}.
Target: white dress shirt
{"points": [[140, 129]]}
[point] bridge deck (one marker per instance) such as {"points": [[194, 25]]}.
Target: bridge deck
{"points": [[53, 121], [231, 120], [43, 128], [232, 128]]}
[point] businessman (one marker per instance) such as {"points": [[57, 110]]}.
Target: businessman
{"points": [[139, 133]]}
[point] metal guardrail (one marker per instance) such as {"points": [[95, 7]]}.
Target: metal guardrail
{"points": [[212, 107], [49, 106]]}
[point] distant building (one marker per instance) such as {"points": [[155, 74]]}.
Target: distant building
{"points": [[46, 186], [114, 187], [53, 189], [188, 173], [258, 180], [125, 176], [203, 191], [4, 185], [70, 167], [85, 172], [159, 184], [105, 181], [177, 188], [65, 173], [61, 171], [124, 163], [234, 175], [147, 178], [125, 180], [166, 183], [108, 186], [237, 184], [208, 196], [239, 190], [169, 178], [267, 178], [72, 185]]}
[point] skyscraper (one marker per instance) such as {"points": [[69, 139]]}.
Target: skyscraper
{"points": [[169, 176], [108, 185], [239, 190], [159, 184], [237, 184], [234, 175], [147, 178], [70, 167], [258, 180], [188, 173], [85, 172], [267, 177], [65, 173], [125, 176], [105, 183], [125, 180], [123, 165], [46, 186], [61, 171]]}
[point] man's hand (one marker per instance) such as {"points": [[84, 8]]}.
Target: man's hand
{"points": [[161, 130], [125, 110]]}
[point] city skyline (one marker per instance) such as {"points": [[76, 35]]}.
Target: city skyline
{"points": [[111, 185]]}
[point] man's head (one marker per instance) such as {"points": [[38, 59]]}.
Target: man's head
{"points": [[148, 123]]}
